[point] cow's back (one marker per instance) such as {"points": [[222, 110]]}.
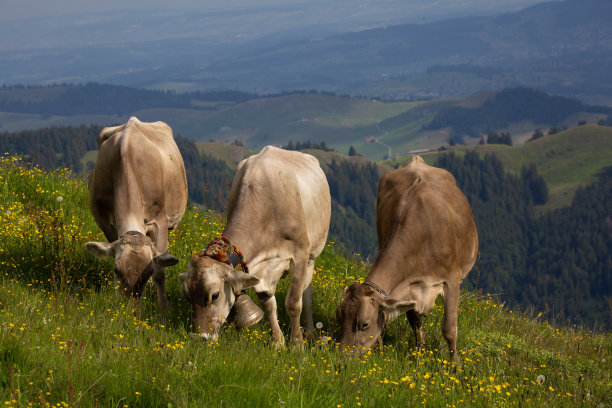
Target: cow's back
{"points": [[139, 173], [281, 192], [422, 208]]}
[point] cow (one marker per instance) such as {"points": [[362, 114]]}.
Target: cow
{"points": [[137, 192], [277, 220], [427, 243]]}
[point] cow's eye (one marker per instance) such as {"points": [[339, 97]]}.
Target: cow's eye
{"points": [[363, 326], [215, 296]]}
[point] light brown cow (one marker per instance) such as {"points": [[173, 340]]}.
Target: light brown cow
{"points": [[137, 192], [278, 217], [427, 244]]}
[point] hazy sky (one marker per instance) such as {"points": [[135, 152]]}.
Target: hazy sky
{"points": [[37, 8], [15, 9]]}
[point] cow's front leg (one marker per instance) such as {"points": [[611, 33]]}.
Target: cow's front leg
{"points": [[449, 320], [159, 278], [158, 232], [414, 318], [268, 303]]}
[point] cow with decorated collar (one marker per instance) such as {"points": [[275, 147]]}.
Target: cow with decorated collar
{"points": [[278, 219]]}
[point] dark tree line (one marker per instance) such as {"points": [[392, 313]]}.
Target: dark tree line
{"points": [[62, 146], [501, 138], [208, 178], [353, 189], [559, 263], [307, 145], [569, 267]]}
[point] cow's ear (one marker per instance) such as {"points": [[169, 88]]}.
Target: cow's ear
{"points": [[183, 276], [395, 307], [101, 249], [240, 280], [165, 260]]}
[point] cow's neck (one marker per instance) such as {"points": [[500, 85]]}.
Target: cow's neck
{"points": [[384, 273], [396, 267], [241, 240]]}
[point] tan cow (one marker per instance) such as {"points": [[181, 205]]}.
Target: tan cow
{"points": [[427, 244], [278, 217], [137, 192]]}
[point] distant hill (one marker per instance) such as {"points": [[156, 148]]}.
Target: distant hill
{"points": [[376, 129], [103, 99], [566, 160], [499, 110]]}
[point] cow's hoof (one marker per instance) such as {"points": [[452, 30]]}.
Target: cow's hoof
{"points": [[310, 335], [297, 344], [163, 304], [278, 344]]}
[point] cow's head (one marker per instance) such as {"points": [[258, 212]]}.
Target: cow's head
{"points": [[363, 314], [135, 259], [211, 286]]}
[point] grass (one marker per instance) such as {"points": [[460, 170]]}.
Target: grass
{"points": [[230, 154], [68, 339]]}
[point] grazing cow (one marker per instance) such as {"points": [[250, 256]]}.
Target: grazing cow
{"points": [[137, 192], [427, 244], [278, 217]]}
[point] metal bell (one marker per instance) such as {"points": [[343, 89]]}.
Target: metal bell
{"points": [[245, 312]]}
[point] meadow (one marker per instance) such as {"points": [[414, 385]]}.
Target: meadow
{"points": [[67, 338]]}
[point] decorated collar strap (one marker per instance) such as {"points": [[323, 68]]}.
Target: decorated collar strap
{"points": [[376, 288], [224, 251]]}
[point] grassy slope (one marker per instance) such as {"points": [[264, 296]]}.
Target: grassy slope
{"points": [[67, 339], [230, 154], [566, 160]]}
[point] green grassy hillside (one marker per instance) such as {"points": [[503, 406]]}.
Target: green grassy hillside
{"points": [[566, 160], [67, 339], [230, 154]]}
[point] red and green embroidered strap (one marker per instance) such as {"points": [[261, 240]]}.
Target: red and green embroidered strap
{"points": [[224, 251]]}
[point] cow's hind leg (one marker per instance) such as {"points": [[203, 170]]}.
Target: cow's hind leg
{"points": [[307, 301], [414, 318], [449, 320], [268, 303]]}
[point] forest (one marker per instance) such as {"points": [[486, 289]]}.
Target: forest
{"points": [[557, 263]]}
